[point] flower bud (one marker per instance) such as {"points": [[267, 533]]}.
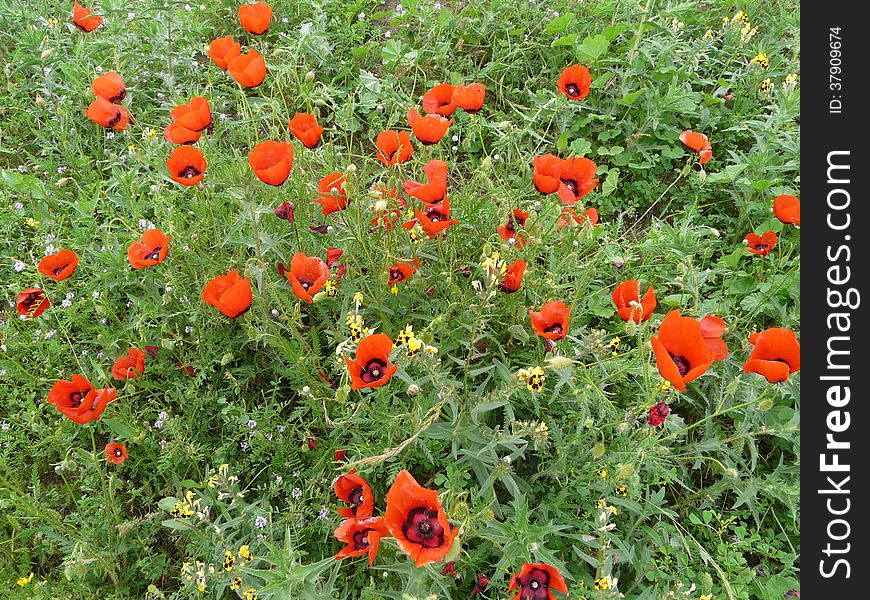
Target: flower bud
{"points": [[309, 77]]}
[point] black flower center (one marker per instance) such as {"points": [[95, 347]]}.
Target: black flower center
{"points": [[154, 254], [75, 398], [683, 365], [30, 299], [374, 370], [115, 120], [535, 585], [761, 247], [572, 185], [436, 215], [59, 270], [361, 539], [554, 328], [396, 275], [189, 171], [422, 527], [573, 89], [118, 453], [356, 498], [306, 285]]}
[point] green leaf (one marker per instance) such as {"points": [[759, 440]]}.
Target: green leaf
{"points": [[631, 97], [560, 24], [610, 183], [120, 428], [592, 48]]}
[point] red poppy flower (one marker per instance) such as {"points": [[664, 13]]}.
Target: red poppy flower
{"points": [[469, 97], [223, 50], [588, 218], [371, 368], [547, 169], [535, 582], [439, 100], [286, 211], [332, 255], [698, 142], [401, 271], [428, 129], [104, 113], [436, 218], [354, 490], [255, 18], [115, 453], [415, 518], [516, 220], [577, 178], [712, 329], [129, 366], [59, 266], [85, 19], [307, 275], [760, 244], [186, 165], [304, 126], [333, 196], [629, 304], [658, 413], [362, 536], [552, 320], [480, 585], [150, 251], [787, 209], [249, 69], [195, 115], [681, 352], [272, 161], [575, 82], [32, 302], [393, 148], [513, 279], [231, 294], [78, 400], [177, 134], [109, 86], [777, 354], [436, 188]]}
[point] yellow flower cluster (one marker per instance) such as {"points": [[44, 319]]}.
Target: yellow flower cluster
{"points": [[413, 344], [534, 378], [761, 61]]}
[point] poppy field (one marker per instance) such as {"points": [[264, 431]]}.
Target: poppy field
{"points": [[408, 300]]}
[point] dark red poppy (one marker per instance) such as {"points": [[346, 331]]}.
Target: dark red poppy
{"points": [[776, 355], [699, 143], [435, 190], [354, 490], [286, 211], [149, 251], [629, 305], [312, 443], [415, 518], [32, 302], [195, 115], [760, 244], [108, 115], [681, 352], [255, 18], [658, 413], [85, 19], [402, 271], [304, 126], [362, 536], [551, 322], [249, 70], [151, 351], [339, 455], [59, 266], [393, 148], [787, 209], [78, 400], [186, 165], [575, 82], [439, 100], [109, 86], [371, 368], [187, 369], [436, 218], [576, 179], [712, 329], [129, 366], [115, 453], [332, 255], [547, 169], [223, 50], [272, 161], [231, 294], [428, 129], [513, 278], [512, 229], [469, 97], [535, 581], [307, 275], [481, 584]]}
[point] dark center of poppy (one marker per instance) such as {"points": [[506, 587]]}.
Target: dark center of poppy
{"points": [[760, 247], [535, 585], [59, 270], [374, 370], [573, 89], [554, 328], [30, 299], [75, 398], [572, 185], [122, 93], [115, 120], [683, 365], [361, 539], [436, 215], [118, 453], [422, 527], [396, 275], [306, 285], [356, 498], [154, 254], [189, 172]]}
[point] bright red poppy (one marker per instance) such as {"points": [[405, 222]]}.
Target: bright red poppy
{"points": [[401, 271], [177, 134], [255, 18], [393, 148], [787, 209], [547, 169], [60, 265], [418, 522], [435, 219], [435, 190], [85, 19], [224, 49], [699, 143], [371, 367], [513, 228], [681, 352], [712, 330], [551, 322], [429, 129], [186, 165], [78, 400], [109, 86], [629, 304], [129, 366], [195, 115], [362, 536], [333, 196], [535, 581], [760, 244], [272, 161], [576, 179], [575, 82], [249, 69], [108, 115], [332, 255], [32, 302], [354, 490], [469, 97], [231, 294], [439, 100], [149, 251], [115, 453], [304, 126], [513, 278], [776, 355], [307, 275]]}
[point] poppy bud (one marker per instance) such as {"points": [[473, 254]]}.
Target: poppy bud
{"points": [[413, 390], [319, 102], [339, 455], [309, 76], [46, 53], [62, 182], [658, 414], [486, 163], [312, 443], [39, 101], [351, 169]]}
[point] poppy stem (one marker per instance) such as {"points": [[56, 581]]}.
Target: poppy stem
{"points": [[639, 33]]}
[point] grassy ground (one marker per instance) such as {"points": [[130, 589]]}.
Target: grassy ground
{"points": [[704, 506]]}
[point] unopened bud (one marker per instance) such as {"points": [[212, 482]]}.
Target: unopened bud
{"points": [[309, 77], [46, 53], [39, 101]]}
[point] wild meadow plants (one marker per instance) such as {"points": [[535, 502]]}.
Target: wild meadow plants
{"points": [[375, 300]]}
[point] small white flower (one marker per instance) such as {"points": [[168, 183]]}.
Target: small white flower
{"points": [[361, 16], [103, 321], [168, 289], [100, 354], [324, 513], [20, 266], [50, 334], [252, 424], [387, 34], [187, 7], [244, 445], [70, 295], [296, 493], [274, 312], [162, 416], [261, 522], [399, 9], [279, 480], [84, 352], [131, 16], [110, 135], [66, 303], [98, 69], [455, 138], [162, 444], [18, 206], [95, 295], [437, 6], [145, 225], [188, 329], [5, 426], [49, 249]]}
